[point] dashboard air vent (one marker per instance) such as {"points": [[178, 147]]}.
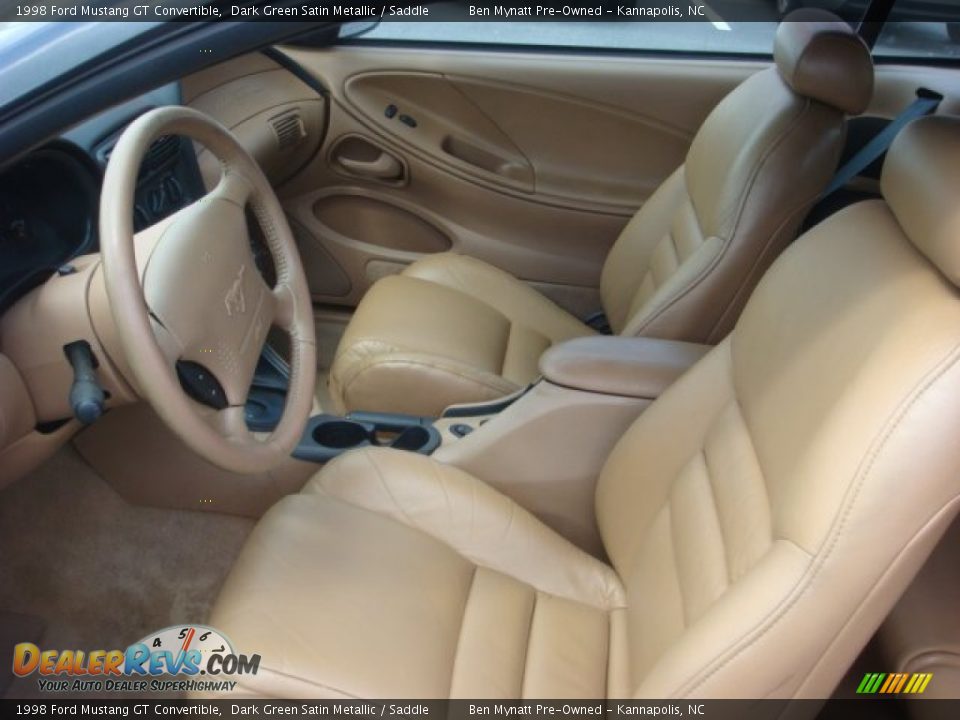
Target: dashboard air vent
{"points": [[162, 151], [288, 127]]}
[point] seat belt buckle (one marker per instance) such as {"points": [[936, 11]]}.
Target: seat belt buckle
{"points": [[599, 322]]}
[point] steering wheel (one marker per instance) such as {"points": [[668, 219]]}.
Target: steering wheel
{"points": [[186, 296]]}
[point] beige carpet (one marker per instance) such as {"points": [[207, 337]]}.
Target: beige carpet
{"points": [[100, 573]]}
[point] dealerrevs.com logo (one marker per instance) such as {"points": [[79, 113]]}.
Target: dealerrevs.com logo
{"points": [[192, 658]]}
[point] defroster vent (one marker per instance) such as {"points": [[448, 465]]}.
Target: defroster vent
{"points": [[289, 129]]}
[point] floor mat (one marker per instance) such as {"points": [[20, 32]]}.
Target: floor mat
{"points": [[99, 572]]}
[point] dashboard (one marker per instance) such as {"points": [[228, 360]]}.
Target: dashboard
{"points": [[49, 199]]}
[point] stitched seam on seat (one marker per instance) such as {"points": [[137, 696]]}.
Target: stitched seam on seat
{"points": [[642, 532], [696, 280], [378, 363], [526, 655], [457, 283], [515, 508], [745, 283], [506, 347], [675, 258], [716, 512], [308, 682], [880, 580], [383, 481], [463, 618], [766, 623], [361, 346], [684, 621]]}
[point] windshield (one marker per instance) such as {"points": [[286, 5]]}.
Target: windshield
{"points": [[34, 53]]}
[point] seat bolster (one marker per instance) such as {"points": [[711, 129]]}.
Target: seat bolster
{"points": [[472, 518], [374, 375], [516, 300], [415, 347]]}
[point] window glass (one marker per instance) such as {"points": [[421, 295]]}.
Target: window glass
{"points": [[708, 37], [921, 29], [930, 39]]}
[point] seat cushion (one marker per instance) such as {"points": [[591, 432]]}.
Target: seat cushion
{"points": [[391, 575], [451, 329]]}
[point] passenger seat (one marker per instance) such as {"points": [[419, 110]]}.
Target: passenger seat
{"points": [[453, 329]]}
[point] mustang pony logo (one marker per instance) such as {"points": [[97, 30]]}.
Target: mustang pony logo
{"points": [[234, 300]]}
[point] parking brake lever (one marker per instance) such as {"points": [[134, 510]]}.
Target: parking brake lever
{"points": [[86, 395]]}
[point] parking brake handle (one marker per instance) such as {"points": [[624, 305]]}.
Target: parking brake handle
{"points": [[86, 396]]}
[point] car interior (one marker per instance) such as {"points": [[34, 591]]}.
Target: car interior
{"points": [[447, 370]]}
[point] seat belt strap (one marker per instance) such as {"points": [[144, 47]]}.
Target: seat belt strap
{"points": [[927, 101]]}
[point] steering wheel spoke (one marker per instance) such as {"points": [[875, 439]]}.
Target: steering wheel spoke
{"points": [[284, 306], [234, 188], [231, 424]]}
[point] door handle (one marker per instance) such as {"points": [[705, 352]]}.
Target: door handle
{"points": [[384, 167]]}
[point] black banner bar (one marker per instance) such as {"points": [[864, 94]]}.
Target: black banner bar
{"points": [[449, 11], [848, 709]]}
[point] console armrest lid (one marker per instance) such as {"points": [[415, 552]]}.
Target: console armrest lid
{"points": [[632, 367]]}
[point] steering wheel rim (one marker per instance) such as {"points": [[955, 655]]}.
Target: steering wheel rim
{"points": [[221, 318]]}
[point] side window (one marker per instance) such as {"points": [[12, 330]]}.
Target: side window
{"points": [[928, 39], [708, 37]]}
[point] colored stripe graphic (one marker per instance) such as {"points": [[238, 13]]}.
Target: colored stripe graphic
{"points": [[894, 683], [901, 683]]}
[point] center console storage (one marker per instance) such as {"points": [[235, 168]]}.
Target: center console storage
{"points": [[327, 436]]}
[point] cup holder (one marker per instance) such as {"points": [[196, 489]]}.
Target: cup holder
{"points": [[411, 438], [327, 436], [340, 434]]}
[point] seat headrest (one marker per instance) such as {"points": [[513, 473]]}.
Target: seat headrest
{"points": [[819, 56], [921, 184]]}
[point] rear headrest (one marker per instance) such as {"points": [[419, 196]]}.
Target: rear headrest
{"points": [[820, 57], [921, 183]]}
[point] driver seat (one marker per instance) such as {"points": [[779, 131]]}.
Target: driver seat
{"points": [[453, 329], [760, 518]]}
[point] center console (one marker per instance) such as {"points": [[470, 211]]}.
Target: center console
{"points": [[328, 436]]}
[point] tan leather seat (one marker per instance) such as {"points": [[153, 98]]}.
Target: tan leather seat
{"points": [[761, 517], [454, 329]]}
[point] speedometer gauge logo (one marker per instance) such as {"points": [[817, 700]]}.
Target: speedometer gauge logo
{"points": [[183, 652], [201, 641]]}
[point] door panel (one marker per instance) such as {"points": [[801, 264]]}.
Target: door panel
{"points": [[533, 162], [427, 112]]}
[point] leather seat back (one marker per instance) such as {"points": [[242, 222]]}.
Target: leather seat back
{"points": [[767, 511], [685, 264]]}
